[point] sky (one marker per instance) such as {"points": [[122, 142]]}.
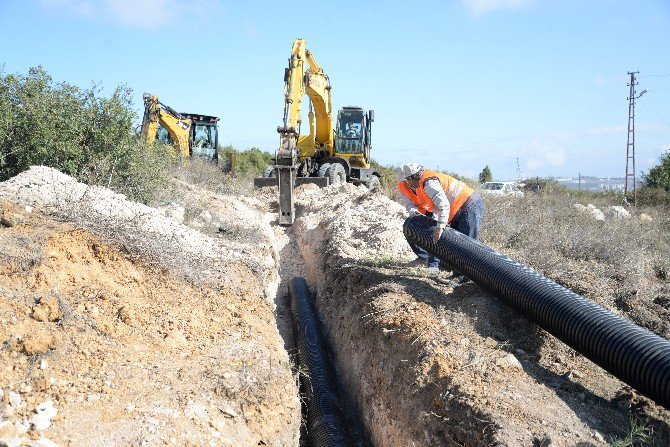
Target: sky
{"points": [[455, 84]]}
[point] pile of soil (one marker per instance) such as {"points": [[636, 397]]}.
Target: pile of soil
{"points": [[138, 329]]}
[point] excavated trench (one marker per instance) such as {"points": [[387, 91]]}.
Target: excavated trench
{"points": [[419, 362], [415, 361]]}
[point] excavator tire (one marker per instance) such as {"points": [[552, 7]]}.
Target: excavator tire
{"points": [[337, 174], [323, 170], [269, 172]]}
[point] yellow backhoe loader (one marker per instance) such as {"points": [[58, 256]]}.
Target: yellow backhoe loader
{"points": [[327, 155], [192, 134]]}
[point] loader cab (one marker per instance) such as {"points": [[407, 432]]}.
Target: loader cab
{"points": [[204, 135], [353, 132]]}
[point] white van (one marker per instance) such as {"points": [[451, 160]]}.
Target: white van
{"points": [[501, 188]]}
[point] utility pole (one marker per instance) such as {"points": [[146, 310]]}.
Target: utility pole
{"points": [[580, 181], [630, 147], [518, 172]]}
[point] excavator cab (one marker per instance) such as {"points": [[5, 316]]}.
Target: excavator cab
{"points": [[353, 133], [204, 135]]}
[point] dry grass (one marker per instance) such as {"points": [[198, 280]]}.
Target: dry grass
{"points": [[620, 264], [207, 175], [545, 228]]}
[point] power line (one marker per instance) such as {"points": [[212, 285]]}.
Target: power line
{"points": [[657, 107]]}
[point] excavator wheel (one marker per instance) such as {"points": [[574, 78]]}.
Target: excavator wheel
{"points": [[337, 174], [323, 170], [269, 172]]}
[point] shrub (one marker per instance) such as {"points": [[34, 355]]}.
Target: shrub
{"points": [[538, 184], [78, 132], [132, 168], [659, 176], [653, 197], [389, 179], [61, 125], [248, 163]]}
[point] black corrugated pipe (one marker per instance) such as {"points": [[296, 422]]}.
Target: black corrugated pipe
{"points": [[326, 425], [633, 354]]}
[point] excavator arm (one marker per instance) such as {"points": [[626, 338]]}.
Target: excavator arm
{"points": [[313, 82], [156, 113], [298, 81]]}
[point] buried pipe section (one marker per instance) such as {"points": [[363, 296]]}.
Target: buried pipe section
{"points": [[326, 423], [631, 353]]}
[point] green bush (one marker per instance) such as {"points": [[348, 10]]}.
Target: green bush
{"points": [[60, 125], [538, 184], [653, 197], [248, 163], [78, 132], [658, 177], [389, 179], [132, 168]]}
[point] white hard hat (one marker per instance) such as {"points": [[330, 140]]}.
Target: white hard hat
{"points": [[409, 169]]}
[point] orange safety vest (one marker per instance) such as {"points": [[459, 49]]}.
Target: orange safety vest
{"points": [[457, 193]]}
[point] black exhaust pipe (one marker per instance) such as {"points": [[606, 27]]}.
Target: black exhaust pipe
{"points": [[326, 426], [631, 353]]}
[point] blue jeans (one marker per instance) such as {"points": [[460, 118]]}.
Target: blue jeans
{"points": [[466, 222]]}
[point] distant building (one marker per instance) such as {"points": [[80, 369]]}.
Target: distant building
{"points": [[593, 183]]}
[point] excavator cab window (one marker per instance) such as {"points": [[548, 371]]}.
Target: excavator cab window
{"points": [[204, 140], [349, 133]]}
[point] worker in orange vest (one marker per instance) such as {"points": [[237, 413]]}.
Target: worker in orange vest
{"points": [[444, 200]]}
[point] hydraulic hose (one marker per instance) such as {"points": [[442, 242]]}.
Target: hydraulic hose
{"points": [[326, 426], [631, 353]]}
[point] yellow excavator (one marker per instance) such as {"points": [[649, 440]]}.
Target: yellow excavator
{"points": [[192, 134], [329, 154]]}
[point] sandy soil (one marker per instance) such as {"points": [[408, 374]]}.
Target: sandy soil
{"points": [[132, 352]]}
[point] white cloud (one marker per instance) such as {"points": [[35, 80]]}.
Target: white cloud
{"points": [[556, 157], [542, 155], [135, 13], [479, 7], [533, 164]]}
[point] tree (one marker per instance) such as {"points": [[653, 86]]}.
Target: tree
{"points": [[252, 162], [659, 176], [485, 175], [60, 125], [77, 131]]}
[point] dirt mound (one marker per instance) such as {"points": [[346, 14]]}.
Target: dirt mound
{"points": [[180, 350]]}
